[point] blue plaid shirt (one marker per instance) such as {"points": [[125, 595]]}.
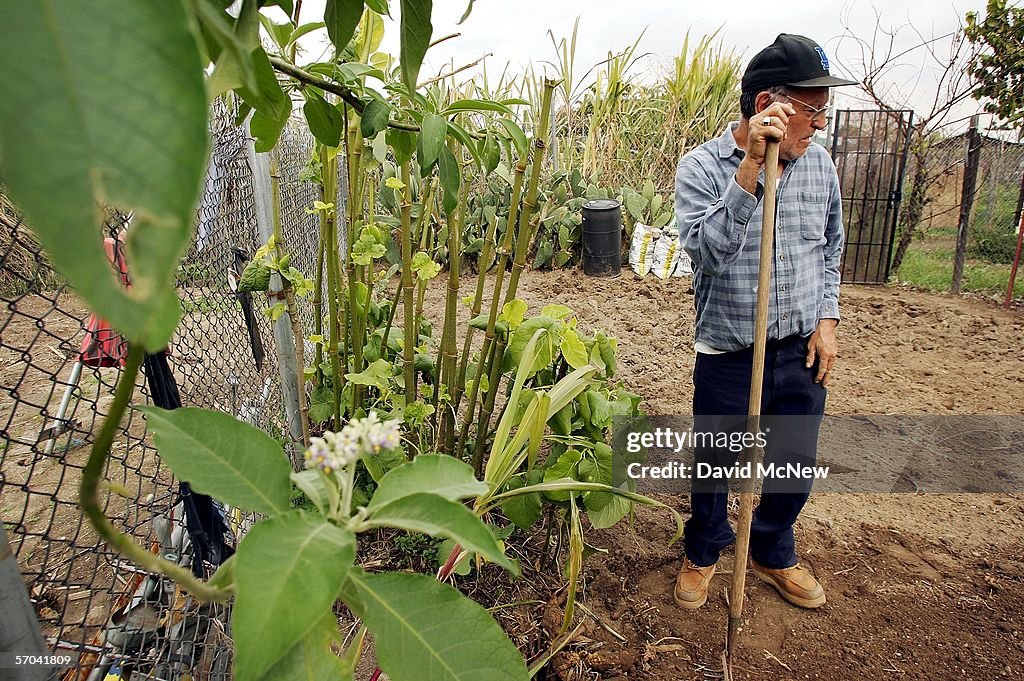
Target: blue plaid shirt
{"points": [[720, 228]]}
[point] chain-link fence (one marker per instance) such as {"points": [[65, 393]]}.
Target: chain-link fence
{"points": [[993, 223], [59, 367]]}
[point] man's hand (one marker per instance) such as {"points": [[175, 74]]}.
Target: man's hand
{"points": [[823, 347], [758, 135]]}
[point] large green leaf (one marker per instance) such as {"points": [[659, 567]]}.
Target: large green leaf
{"points": [[437, 474], [432, 136], [423, 629], [375, 117], [476, 105], [545, 345], [402, 142], [223, 457], [451, 177], [311, 658], [324, 119], [415, 38], [103, 104], [342, 17], [437, 516], [288, 573], [522, 510], [516, 134]]}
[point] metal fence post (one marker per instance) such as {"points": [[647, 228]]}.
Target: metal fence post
{"points": [[19, 628], [966, 201], [284, 345]]}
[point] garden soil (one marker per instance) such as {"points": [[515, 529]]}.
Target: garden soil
{"points": [[919, 586]]}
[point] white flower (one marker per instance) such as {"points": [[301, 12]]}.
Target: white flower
{"points": [[368, 435]]}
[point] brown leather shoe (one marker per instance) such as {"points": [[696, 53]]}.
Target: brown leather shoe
{"points": [[796, 584], [691, 590]]}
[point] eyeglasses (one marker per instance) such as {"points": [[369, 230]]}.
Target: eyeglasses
{"points": [[823, 114]]}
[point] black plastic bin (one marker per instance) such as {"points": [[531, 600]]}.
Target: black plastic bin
{"points": [[602, 238]]}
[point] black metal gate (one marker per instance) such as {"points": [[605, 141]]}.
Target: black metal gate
{"points": [[870, 152]]}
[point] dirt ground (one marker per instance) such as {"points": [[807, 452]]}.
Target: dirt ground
{"points": [[919, 586]]}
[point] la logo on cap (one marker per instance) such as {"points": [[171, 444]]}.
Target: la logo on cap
{"points": [[821, 55]]}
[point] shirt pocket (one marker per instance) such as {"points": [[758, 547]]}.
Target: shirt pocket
{"points": [[813, 209]]}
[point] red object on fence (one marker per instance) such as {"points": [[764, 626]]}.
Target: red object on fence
{"points": [[102, 345]]}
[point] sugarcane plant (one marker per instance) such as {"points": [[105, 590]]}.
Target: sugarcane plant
{"points": [[384, 395]]}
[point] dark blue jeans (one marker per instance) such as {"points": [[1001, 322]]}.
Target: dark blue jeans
{"points": [[792, 405]]}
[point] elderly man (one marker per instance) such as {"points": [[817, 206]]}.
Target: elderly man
{"points": [[719, 186]]}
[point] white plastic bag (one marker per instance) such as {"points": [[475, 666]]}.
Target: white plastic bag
{"points": [[666, 253], [641, 249], [684, 268]]}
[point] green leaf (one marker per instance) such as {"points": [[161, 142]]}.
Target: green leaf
{"points": [[424, 267], [545, 345], [288, 573], [379, 6], [437, 516], [607, 347], [304, 29], [564, 466], [255, 277], [92, 115], [635, 206], [376, 375], [414, 38], [573, 350], [431, 142], [324, 119], [279, 32], [438, 474], [544, 253], [375, 117], [312, 658], [451, 177], [266, 130], [321, 404], [491, 153], [420, 630], [402, 142], [477, 105], [516, 134], [556, 311], [342, 17], [315, 485], [648, 190], [513, 312], [604, 510], [223, 457], [522, 510]]}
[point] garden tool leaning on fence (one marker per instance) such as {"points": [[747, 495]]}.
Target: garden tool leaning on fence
{"points": [[764, 279]]}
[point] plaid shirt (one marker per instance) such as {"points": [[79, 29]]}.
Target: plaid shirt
{"points": [[720, 228]]}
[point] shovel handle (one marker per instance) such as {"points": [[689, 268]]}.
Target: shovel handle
{"points": [[764, 276]]}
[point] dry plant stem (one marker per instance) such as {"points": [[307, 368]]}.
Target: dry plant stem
{"points": [[529, 204], [329, 169], [92, 475], [409, 350], [289, 297]]}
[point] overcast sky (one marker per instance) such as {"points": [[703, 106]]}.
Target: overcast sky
{"points": [[517, 32]]}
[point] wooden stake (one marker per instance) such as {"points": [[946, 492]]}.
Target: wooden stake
{"points": [[764, 279]]}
